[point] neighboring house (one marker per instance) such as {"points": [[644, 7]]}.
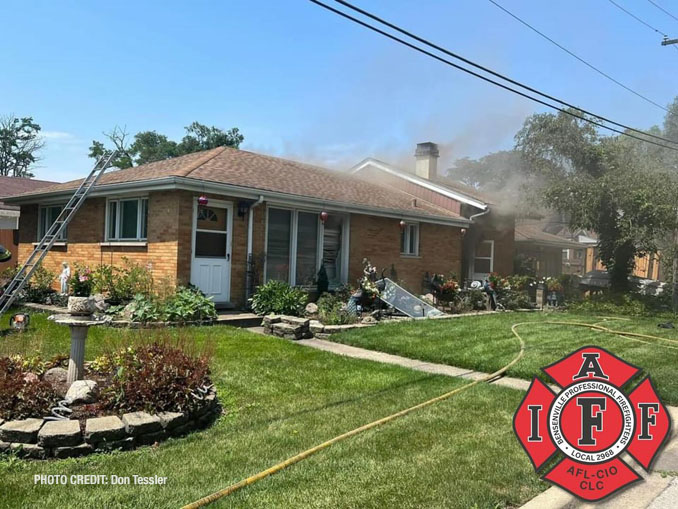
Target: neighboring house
{"points": [[265, 218], [489, 237], [9, 214], [542, 253]]}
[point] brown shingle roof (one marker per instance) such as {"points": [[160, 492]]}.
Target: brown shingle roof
{"points": [[266, 173], [11, 186]]}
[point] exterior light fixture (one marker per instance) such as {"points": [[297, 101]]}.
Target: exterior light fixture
{"points": [[202, 200], [323, 216], [402, 225], [463, 231]]}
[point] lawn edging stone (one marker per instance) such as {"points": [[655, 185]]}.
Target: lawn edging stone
{"points": [[43, 439], [293, 327]]}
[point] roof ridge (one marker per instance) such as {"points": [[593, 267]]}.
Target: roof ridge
{"points": [[211, 154]]}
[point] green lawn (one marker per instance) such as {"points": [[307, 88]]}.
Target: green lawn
{"points": [[283, 398], [485, 343]]}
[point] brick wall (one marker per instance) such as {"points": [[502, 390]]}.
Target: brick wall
{"points": [[378, 239]]}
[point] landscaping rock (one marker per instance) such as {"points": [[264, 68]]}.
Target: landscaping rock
{"points": [[333, 329], [369, 320], [311, 308], [32, 451], [55, 376], [126, 444], [270, 320], [81, 391], [59, 434], [286, 330], [72, 452], [104, 429], [4, 446], [139, 423], [100, 302], [151, 438], [315, 326], [170, 420], [24, 431], [296, 321], [322, 335]]}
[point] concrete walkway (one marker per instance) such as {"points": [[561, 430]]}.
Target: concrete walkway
{"points": [[659, 490], [427, 367]]}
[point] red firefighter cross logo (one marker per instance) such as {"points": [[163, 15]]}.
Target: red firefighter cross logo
{"points": [[590, 423]]}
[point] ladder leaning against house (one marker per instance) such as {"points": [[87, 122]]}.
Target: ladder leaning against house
{"points": [[24, 274]]}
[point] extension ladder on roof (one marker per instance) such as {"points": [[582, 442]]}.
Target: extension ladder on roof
{"points": [[26, 271]]}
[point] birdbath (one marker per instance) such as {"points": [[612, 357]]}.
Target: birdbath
{"points": [[79, 326]]}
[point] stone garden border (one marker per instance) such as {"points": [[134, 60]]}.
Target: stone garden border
{"points": [[42, 439]]}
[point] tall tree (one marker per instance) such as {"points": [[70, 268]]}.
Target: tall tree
{"points": [[601, 184], [19, 144], [489, 173], [150, 146]]}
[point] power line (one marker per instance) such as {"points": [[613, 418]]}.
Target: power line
{"points": [[489, 80], [662, 9], [602, 73], [654, 29]]}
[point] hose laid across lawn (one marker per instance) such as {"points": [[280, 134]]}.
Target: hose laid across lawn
{"points": [[309, 452]]}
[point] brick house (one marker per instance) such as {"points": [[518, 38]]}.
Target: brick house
{"points": [[488, 238], [262, 221], [9, 214]]}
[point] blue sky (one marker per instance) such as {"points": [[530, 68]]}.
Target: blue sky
{"points": [[302, 83]]}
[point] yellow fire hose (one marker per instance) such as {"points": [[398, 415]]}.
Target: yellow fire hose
{"points": [[309, 452]]}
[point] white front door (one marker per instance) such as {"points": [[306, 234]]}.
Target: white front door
{"points": [[211, 260]]}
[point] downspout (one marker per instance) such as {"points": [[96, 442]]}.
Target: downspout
{"points": [[249, 272]]}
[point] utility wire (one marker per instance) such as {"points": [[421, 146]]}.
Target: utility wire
{"points": [[602, 73], [641, 21], [489, 80], [662, 9]]}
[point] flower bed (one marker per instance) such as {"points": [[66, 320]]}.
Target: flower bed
{"points": [[136, 396]]}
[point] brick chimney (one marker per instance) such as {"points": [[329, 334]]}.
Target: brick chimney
{"points": [[427, 160]]}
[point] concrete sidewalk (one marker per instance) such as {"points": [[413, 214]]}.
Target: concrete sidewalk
{"points": [[658, 490]]}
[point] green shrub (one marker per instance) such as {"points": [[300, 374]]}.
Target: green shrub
{"points": [[280, 298], [331, 310], [122, 283], [81, 282], [144, 309], [39, 288], [631, 304], [188, 304]]}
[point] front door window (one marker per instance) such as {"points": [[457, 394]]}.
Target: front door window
{"points": [[211, 233]]}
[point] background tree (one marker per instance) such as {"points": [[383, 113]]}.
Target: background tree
{"points": [[150, 146], [490, 173], [602, 184], [19, 144]]}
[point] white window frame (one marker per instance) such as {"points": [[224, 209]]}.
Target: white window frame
{"points": [[294, 232], [43, 228], [117, 201], [409, 230], [491, 257]]}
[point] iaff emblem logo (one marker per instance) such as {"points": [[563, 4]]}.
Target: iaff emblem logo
{"points": [[591, 422]]}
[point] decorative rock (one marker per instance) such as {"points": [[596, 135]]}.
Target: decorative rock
{"points": [[285, 329], [311, 308], [151, 438], [126, 444], [140, 423], [25, 431], [322, 335], [59, 434], [72, 452], [55, 376], [100, 303], [170, 420], [295, 321], [315, 326], [369, 320], [29, 451], [81, 391], [4, 446], [104, 429], [271, 319]]}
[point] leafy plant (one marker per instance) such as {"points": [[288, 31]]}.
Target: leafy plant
{"points": [[280, 298], [122, 283], [81, 282], [143, 309], [332, 310], [156, 378], [189, 304], [22, 393]]}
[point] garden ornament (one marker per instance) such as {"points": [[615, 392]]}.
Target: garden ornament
{"points": [[64, 277]]}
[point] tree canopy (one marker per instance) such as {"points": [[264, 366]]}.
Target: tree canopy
{"points": [[150, 146], [20, 143]]}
